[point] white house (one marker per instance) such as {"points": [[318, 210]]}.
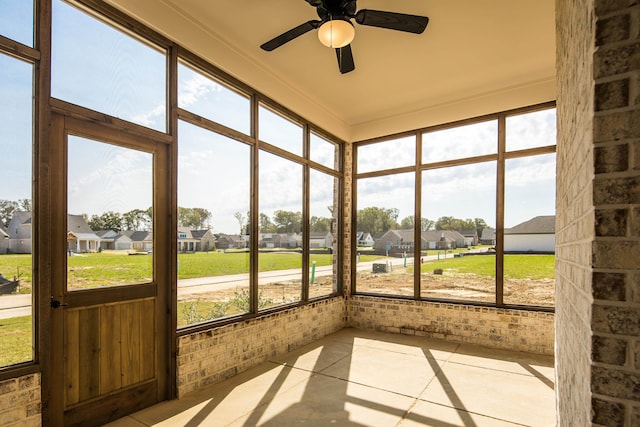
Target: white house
{"points": [[19, 232], [4, 240], [535, 235]]}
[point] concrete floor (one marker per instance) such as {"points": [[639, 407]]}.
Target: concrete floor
{"points": [[365, 378]]}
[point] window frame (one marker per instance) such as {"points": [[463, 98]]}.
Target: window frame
{"points": [[500, 157]]}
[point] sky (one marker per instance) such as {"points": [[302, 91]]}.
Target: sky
{"points": [[98, 67]]}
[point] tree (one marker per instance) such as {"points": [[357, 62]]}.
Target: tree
{"points": [[377, 221], [287, 221], [240, 218], [266, 226], [7, 208], [320, 224], [425, 223], [135, 219], [96, 223], [451, 223], [112, 221], [194, 217], [480, 225]]}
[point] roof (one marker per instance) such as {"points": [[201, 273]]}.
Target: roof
{"points": [[84, 236], [138, 236], [537, 225], [488, 234], [77, 224]]}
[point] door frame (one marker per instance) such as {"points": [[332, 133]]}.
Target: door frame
{"points": [[162, 284]]}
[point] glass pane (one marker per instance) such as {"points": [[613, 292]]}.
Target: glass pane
{"points": [[529, 235], [109, 221], [460, 203], [537, 129], [16, 135], [98, 67], [387, 155], [213, 225], [323, 211], [323, 152], [384, 254], [280, 238], [16, 20], [460, 142], [206, 97], [278, 131]]}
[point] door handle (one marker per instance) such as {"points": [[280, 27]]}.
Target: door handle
{"points": [[55, 303]]}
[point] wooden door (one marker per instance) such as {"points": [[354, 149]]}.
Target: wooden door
{"points": [[109, 321]]}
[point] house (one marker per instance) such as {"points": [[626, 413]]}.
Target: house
{"points": [[231, 241], [488, 237], [80, 237], [470, 237], [190, 240], [4, 239], [140, 240], [19, 231], [535, 235], [320, 239], [364, 239], [280, 240], [402, 240], [111, 240]]}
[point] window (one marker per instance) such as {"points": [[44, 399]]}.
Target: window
{"points": [[462, 256], [94, 65], [279, 131], [109, 215], [213, 226], [210, 99], [387, 155], [458, 204], [323, 238], [323, 151], [16, 21], [16, 145], [385, 234], [280, 231]]}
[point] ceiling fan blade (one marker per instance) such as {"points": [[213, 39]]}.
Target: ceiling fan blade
{"points": [[345, 59], [392, 20], [290, 35]]}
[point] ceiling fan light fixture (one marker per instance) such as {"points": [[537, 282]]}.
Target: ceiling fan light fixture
{"points": [[336, 33]]}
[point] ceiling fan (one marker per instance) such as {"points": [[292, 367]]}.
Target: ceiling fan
{"points": [[335, 29]]}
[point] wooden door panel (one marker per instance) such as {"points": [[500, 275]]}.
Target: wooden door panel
{"points": [[108, 348]]}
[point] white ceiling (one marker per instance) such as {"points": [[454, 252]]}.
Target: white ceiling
{"points": [[475, 57]]}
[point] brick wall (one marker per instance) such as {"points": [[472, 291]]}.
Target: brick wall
{"points": [[615, 323], [574, 209], [517, 330], [211, 356], [20, 401], [348, 233]]}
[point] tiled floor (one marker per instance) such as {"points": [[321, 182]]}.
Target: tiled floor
{"points": [[364, 378]]}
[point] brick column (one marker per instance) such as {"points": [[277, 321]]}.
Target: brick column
{"points": [[615, 371], [598, 206]]}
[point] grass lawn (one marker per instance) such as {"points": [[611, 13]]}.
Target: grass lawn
{"points": [[15, 340], [117, 267], [515, 266]]}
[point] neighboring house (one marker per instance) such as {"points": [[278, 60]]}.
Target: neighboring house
{"points": [[19, 232], [320, 239], [4, 239], [231, 241], [140, 240], [195, 240], [80, 237], [470, 237], [110, 240], [403, 241], [488, 236], [280, 240], [535, 235], [364, 239], [206, 240]]}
